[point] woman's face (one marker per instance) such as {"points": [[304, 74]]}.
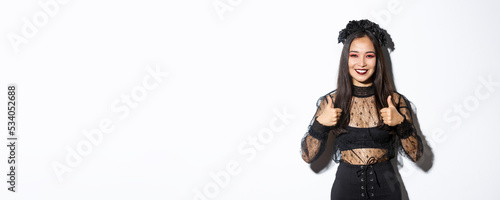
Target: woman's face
{"points": [[362, 61]]}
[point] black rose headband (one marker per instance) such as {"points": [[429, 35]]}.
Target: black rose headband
{"points": [[363, 25]]}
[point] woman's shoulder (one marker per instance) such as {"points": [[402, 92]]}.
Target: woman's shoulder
{"points": [[398, 98], [322, 99], [332, 93]]}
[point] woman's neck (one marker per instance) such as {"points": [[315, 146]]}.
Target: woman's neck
{"points": [[363, 91]]}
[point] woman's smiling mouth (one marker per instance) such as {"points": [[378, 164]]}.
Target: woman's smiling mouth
{"points": [[361, 71]]}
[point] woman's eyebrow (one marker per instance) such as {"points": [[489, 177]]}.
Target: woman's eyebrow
{"points": [[365, 52]]}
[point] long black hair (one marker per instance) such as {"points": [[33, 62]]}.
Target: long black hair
{"points": [[381, 82]]}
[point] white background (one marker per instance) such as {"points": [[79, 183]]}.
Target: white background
{"points": [[229, 72]]}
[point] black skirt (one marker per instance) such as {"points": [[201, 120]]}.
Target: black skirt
{"points": [[375, 181]]}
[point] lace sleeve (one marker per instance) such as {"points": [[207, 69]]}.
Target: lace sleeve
{"points": [[314, 141], [410, 144]]}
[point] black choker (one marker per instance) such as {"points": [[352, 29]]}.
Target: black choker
{"points": [[358, 91]]}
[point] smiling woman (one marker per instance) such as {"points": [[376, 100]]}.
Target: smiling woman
{"points": [[362, 61], [367, 118]]}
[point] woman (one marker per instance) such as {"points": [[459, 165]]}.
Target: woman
{"points": [[367, 117]]}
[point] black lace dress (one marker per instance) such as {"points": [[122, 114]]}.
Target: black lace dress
{"points": [[365, 148]]}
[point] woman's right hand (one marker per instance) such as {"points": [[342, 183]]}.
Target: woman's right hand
{"points": [[330, 115]]}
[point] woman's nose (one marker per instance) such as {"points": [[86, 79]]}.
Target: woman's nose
{"points": [[362, 62]]}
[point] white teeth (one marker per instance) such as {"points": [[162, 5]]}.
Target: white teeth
{"points": [[361, 70]]}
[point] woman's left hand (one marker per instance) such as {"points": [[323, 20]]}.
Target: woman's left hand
{"points": [[390, 115]]}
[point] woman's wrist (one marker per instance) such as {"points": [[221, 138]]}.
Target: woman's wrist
{"points": [[318, 130], [404, 129]]}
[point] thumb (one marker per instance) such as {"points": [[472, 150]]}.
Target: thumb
{"points": [[389, 101], [329, 102]]}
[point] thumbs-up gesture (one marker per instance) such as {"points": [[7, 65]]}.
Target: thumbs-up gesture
{"points": [[330, 115], [390, 115]]}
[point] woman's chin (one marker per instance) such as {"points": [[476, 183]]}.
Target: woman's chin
{"points": [[362, 82]]}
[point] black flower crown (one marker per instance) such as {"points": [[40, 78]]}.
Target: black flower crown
{"points": [[363, 25]]}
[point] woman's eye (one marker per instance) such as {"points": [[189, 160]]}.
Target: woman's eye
{"points": [[353, 55], [370, 56]]}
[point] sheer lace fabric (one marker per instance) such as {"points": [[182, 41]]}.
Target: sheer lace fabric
{"points": [[312, 147], [364, 140]]}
